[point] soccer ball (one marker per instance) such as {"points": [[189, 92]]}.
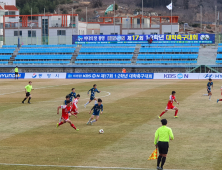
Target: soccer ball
{"points": [[101, 131]]}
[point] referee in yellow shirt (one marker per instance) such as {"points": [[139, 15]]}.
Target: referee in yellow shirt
{"points": [[28, 90], [162, 135], [16, 72]]}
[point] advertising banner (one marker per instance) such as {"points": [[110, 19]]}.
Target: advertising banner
{"points": [[135, 39], [176, 76], [11, 75], [109, 76], [45, 75], [210, 75]]}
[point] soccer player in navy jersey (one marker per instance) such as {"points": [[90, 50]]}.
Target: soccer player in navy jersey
{"points": [[209, 85], [92, 96], [72, 94], [96, 111]]}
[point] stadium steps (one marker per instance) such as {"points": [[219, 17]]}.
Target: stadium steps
{"points": [[76, 53], [136, 53], [207, 55], [15, 53]]}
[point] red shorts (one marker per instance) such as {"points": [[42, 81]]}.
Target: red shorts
{"points": [[170, 107], [65, 118]]}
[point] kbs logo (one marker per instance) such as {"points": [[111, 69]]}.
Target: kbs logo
{"points": [[176, 76]]}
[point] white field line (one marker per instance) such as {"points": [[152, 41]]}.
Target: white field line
{"points": [[34, 88], [87, 167]]}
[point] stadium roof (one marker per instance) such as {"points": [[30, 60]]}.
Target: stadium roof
{"points": [[11, 8]]}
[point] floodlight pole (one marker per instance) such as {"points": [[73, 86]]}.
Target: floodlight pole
{"points": [[31, 26], [44, 26], [72, 21], [171, 18], [142, 16], [86, 21], [114, 18]]}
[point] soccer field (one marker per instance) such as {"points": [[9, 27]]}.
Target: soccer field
{"points": [[29, 134]]}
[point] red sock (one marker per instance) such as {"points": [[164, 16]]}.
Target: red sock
{"points": [[220, 99], [60, 123], [162, 113], [176, 112], [73, 126]]}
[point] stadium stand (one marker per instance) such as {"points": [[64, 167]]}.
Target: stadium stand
{"points": [[159, 54], [5, 54], [168, 54], [106, 54], [49, 46], [45, 54]]}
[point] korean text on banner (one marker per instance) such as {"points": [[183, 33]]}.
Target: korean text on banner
{"points": [[133, 39], [109, 76], [45, 75]]}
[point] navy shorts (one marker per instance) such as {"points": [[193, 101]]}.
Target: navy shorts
{"points": [[209, 91], [92, 97], [95, 114]]}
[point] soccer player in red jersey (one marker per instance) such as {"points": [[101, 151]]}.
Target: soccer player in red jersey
{"points": [[74, 110], [170, 105], [66, 109]]}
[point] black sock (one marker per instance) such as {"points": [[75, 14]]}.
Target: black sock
{"points": [[24, 99], [159, 160], [163, 161], [29, 99]]}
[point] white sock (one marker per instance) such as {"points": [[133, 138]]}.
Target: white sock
{"points": [[94, 120], [209, 96], [87, 103], [95, 102], [205, 94], [60, 120], [89, 119]]}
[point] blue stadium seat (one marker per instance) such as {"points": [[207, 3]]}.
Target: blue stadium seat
{"points": [[46, 50], [9, 46], [46, 57], [7, 51], [5, 57], [49, 46]]}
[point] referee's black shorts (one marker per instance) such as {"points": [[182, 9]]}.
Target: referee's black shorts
{"points": [[163, 147], [16, 73], [28, 94]]}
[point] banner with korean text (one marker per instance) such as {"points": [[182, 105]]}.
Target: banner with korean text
{"points": [[109, 75], [139, 39]]}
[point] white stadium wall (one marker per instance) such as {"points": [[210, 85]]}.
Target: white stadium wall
{"points": [[140, 31], [55, 39], [167, 29], [108, 29], [24, 39]]}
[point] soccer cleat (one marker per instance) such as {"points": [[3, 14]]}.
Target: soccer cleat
{"points": [[175, 116], [57, 125], [217, 100], [159, 168], [29, 103], [84, 105], [87, 123], [77, 129], [159, 117], [23, 102], [91, 123]]}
